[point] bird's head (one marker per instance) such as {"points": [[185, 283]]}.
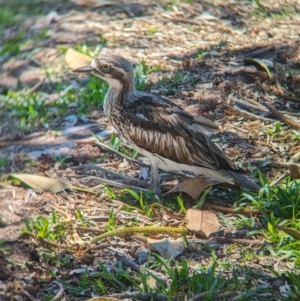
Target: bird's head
{"points": [[114, 69]]}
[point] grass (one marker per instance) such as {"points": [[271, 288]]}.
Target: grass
{"points": [[210, 269], [262, 12], [33, 109]]}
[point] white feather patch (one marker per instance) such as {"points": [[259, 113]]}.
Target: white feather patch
{"points": [[141, 116], [114, 83]]}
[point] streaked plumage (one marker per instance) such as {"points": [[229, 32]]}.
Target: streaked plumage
{"points": [[170, 137]]}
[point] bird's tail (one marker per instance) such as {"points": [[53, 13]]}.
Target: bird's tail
{"points": [[243, 181]]}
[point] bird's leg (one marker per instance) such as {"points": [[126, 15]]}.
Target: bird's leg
{"points": [[155, 178]]}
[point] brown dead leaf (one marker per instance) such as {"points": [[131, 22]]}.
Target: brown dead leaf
{"points": [[167, 248], [42, 184], [290, 231], [87, 258], [75, 59], [194, 186], [203, 222], [294, 172]]}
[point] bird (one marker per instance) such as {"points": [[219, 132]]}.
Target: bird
{"points": [[172, 138]]}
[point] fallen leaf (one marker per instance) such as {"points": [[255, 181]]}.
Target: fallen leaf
{"points": [[194, 186], [290, 231], [259, 64], [167, 248], [294, 172], [76, 239], [87, 258], [75, 59], [41, 183], [203, 222], [151, 282]]}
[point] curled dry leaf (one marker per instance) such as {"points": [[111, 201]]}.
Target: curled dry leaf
{"points": [[259, 64], [290, 231], [167, 248], [75, 59], [194, 186], [203, 222], [42, 184]]}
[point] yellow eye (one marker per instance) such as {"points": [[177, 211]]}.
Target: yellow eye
{"points": [[105, 67]]}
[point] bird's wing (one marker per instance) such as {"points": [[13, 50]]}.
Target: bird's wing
{"points": [[197, 123], [166, 130]]}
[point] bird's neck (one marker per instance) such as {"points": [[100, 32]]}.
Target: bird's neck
{"points": [[118, 93]]}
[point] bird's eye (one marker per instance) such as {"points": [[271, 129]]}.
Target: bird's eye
{"points": [[105, 67]]}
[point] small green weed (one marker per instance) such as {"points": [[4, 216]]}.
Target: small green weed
{"points": [[91, 96], [110, 192], [111, 224], [296, 137], [7, 17], [140, 73], [141, 199], [115, 143], [13, 45], [280, 205], [45, 227], [180, 203], [151, 29], [283, 200], [89, 51], [169, 83], [275, 131]]}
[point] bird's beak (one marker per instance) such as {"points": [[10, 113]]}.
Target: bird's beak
{"points": [[84, 69]]}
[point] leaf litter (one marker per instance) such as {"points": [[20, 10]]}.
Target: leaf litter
{"points": [[203, 45]]}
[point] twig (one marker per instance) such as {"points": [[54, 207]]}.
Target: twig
{"points": [[143, 296], [139, 162], [273, 183], [121, 155], [138, 229], [250, 106], [28, 295], [254, 102], [266, 162], [246, 211], [181, 20], [241, 241], [89, 229], [281, 117], [35, 87], [126, 179], [113, 183], [250, 115], [52, 243], [290, 113], [67, 216], [295, 158], [128, 263], [59, 294]]}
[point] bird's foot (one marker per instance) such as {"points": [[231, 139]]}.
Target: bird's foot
{"points": [[156, 188]]}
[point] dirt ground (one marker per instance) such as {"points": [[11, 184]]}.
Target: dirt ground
{"points": [[209, 56]]}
